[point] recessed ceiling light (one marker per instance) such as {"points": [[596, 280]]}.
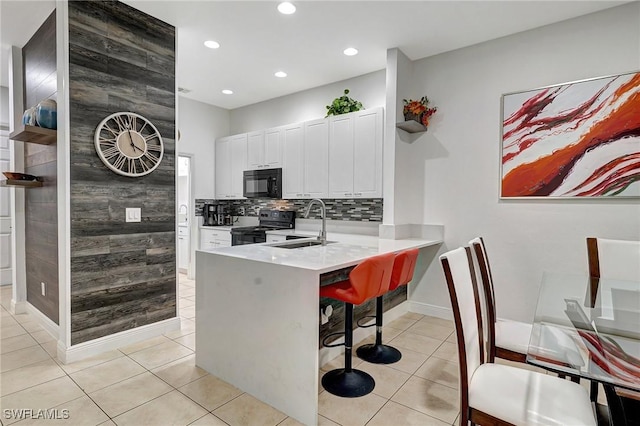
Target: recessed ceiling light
{"points": [[227, 92], [212, 44], [286, 8], [281, 74], [350, 51]]}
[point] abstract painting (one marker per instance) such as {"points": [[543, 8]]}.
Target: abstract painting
{"points": [[578, 139]]}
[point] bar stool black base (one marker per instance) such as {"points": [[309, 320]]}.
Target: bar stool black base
{"points": [[379, 354], [350, 384]]}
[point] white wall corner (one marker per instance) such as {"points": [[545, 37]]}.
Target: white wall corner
{"points": [[114, 341], [428, 232], [16, 107], [411, 230], [63, 173]]}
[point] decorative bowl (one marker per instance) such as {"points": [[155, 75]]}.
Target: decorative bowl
{"points": [[21, 176]]}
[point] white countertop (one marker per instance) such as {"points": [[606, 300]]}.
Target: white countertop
{"points": [[346, 250], [219, 227]]}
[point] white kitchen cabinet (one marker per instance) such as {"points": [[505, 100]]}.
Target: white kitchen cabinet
{"points": [[316, 159], [292, 161], [214, 238], [305, 160], [231, 162], [183, 247], [355, 154], [264, 149]]}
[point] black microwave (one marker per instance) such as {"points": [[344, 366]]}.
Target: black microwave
{"points": [[265, 183]]}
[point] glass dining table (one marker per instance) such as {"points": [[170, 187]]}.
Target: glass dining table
{"points": [[602, 317]]}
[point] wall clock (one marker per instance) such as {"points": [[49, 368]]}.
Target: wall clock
{"points": [[129, 144]]}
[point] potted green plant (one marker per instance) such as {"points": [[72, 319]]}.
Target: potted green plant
{"points": [[418, 110], [343, 105]]}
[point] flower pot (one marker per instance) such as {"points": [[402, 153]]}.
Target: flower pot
{"points": [[415, 117]]}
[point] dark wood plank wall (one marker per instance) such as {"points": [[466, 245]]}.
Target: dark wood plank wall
{"points": [[123, 275], [41, 214]]}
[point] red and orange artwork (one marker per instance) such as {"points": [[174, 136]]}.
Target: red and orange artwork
{"points": [[578, 139]]}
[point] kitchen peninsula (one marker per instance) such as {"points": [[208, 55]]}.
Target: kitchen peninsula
{"points": [[257, 318]]}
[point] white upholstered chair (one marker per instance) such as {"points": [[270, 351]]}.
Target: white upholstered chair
{"points": [[613, 259], [500, 394], [508, 339]]}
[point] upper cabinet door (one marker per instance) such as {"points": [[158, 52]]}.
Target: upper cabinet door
{"points": [[255, 150], [341, 156], [223, 168], [316, 159], [292, 161], [273, 141], [367, 153], [238, 161]]}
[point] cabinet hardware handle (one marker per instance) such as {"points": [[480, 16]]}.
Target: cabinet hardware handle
{"points": [[357, 193], [347, 193], [299, 195]]}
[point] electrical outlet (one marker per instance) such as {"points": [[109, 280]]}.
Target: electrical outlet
{"points": [[241, 211], [43, 289]]}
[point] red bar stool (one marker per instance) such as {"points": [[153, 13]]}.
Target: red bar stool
{"points": [[377, 353], [366, 281]]}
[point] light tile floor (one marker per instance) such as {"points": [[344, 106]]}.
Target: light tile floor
{"points": [[156, 382]]}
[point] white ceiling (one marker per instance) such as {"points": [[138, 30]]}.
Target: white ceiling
{"points": [[257, 41]]}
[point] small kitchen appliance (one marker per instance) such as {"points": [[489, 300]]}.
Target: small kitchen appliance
{"points": [[264, 183], [209, 215], [268, 220]]}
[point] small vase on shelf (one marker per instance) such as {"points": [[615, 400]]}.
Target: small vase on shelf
{"points": [[47, 114]]}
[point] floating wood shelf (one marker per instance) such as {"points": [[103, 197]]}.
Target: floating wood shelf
{"points": [[34, 134], [411, 126], [25, 183]]}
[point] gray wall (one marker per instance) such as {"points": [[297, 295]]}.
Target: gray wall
{"points": [[41, 214], [123, 275]]}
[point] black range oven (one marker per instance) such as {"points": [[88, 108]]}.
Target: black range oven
{"points": [[269, 220]]}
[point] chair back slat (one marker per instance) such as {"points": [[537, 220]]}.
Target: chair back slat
{"points": [[465, 303], [489, 299]]}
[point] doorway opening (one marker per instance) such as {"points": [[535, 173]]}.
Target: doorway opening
{"points": [[185, 214]]}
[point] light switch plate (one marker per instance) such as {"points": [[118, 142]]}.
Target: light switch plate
{"points": [[132, 214]]}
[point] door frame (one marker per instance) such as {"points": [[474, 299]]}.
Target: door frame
{"points": [[191, 216]]}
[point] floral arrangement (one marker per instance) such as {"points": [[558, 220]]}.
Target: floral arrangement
{"points": [[418, 110], [343, 105]]}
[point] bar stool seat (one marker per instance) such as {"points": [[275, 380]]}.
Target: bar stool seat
{"points": [[378, 353], [366, 281]]}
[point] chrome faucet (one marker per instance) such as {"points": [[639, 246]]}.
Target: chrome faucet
{"points": [[323, 211]]}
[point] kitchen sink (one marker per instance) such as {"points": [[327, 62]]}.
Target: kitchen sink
{"points": [[300, 244]]}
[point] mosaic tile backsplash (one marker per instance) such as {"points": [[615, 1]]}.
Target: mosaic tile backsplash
{"points": [[359, 209]]}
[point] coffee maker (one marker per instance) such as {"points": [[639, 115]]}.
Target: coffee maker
{"points": [[210, 215]]}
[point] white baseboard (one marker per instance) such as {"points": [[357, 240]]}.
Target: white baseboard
{"points": [[359, 334], [18, 307], [431, 310], [45, 322], [94, 347]]}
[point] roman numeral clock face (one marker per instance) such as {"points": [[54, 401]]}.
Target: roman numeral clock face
{"points": [[129, 144]]}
